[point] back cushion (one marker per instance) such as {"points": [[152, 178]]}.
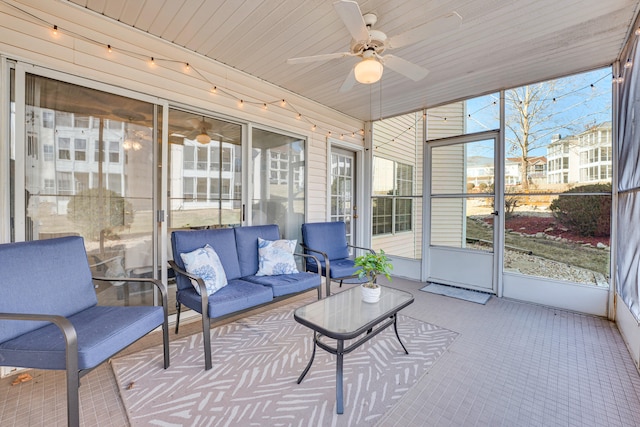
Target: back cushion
{"points": [[328, 237], [247, 245], [222, 241], [43, 277]]}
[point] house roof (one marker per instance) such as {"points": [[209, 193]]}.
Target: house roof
{"points": [[498, 44]]}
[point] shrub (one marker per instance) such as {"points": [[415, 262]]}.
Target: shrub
{"points": [[97, 211], [588, 215]]}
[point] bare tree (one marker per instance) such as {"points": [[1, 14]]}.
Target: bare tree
{"points": [[535, 112]]}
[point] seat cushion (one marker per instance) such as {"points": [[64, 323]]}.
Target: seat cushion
{"points": [[327, 237], [338, 268], [247, 245], [45, 277], [286, 284], [237, 295], [102, 331]]}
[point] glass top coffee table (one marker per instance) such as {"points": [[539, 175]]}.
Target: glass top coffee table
{"points": [[344, 316]]}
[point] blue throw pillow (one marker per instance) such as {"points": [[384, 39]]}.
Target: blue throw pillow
{"points": [[205, 263], [276, 257]]}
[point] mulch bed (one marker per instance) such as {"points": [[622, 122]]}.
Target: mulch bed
{"points": [[548, 225]]}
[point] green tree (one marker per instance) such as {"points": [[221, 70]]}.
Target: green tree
{"points": [[99, 212]]}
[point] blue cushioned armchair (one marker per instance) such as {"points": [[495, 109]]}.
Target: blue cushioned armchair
{"points": [[49, 317], [328, 240]]}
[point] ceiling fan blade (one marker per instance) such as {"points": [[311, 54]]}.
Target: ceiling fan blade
{"points": [[431, 29], [192, 134], [404, 67], [324, 57], [350, 81], [350, 13]]}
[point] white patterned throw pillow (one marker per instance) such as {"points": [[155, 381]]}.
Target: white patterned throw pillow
{"points": [[205, 263], [276, 257]]}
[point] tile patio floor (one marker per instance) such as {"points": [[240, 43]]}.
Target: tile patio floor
{"points": [[514, 364]]}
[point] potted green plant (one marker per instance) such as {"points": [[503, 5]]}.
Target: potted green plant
{"points": [[371, 265]]}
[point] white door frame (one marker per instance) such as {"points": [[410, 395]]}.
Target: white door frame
{"points": [[442, 264], [360, 228]]}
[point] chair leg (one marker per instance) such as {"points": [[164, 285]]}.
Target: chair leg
{"points": [[165, 340], [73, 400], [178, 306], [206, 335]]}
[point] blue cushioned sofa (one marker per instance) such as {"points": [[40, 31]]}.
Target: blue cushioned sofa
{"points": [[237, 249], [49, 317]]}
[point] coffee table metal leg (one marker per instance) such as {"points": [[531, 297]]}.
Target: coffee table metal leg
{"points": [[313, 354], [395, 328], [339, 391]]}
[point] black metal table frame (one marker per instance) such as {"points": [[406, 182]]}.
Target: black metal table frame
{"points": [[339, 350]]}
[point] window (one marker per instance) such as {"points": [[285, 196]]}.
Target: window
{"points": [[81, 121], [80, 149], [114, 152], [47, 119], [63, 119], [64, 148], [32, 145], [202, 153], [49, 186], [391, 212], [189, 157], [64, 183], [47, 149], [382, 216]]}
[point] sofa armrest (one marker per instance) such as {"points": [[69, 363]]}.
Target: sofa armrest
{"points": [[201, 285]]}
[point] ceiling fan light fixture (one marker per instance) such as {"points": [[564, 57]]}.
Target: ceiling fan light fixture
{"points": [[368, 71], [203, 138]]}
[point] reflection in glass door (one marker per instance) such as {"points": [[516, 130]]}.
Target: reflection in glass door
{"points": [[278, 178], [462, 232], [88, 171], [342, 175]]}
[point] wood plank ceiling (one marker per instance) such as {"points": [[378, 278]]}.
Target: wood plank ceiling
{"points": [[499, 44]]}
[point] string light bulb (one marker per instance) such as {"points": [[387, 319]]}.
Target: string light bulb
{"points": [[299, 116], [283, 103], [628, 64], [264, 106], [109, 48], [153, 61], [187, 67], [214, 89], [314, 127], [637, 32], [55, 30]]}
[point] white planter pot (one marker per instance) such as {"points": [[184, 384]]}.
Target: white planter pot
{"points": [[370, 295]]}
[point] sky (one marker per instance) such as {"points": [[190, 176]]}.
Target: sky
{"points": [[581, 99]]}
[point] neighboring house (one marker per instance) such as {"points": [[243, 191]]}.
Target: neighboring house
{"points": [[582, 158]]}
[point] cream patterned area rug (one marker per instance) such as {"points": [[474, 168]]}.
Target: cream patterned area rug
{"points": [[256, 363]]}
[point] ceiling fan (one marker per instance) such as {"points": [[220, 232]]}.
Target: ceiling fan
{"points": [[199, 132], [369, 44]]}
